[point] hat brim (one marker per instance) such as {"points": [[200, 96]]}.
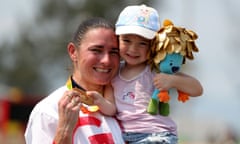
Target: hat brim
{"points": [[146, 33]]}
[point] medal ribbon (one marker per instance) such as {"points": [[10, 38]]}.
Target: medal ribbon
{"points": [[84, 108]]}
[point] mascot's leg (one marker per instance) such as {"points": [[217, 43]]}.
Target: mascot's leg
{"points": [[164, 98], [153, 104], [164, 109], [183, 97]]}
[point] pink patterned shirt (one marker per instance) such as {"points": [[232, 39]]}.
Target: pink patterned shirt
{"points": [[132, 98]]}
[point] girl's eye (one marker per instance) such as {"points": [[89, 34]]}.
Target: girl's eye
{"points": [[143, 43], [126, 40]]}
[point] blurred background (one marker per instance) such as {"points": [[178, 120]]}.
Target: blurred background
{"points": [[34, 61]]}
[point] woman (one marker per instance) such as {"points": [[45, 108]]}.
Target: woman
{"points": [[57, 118]]}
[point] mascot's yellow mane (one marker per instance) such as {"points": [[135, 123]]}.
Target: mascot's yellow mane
{"points": [[171, 39]]}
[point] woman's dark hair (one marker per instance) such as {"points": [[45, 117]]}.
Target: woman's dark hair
{"points": [[89, 24]]}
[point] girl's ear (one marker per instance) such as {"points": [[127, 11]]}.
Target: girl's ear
{"points": [[72, 51]]}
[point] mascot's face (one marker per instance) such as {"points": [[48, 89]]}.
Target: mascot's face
{"points": [[171, 63]]}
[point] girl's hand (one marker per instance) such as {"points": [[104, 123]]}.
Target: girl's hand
{"points": [[163, 81], [106, 104], [180, 81]]}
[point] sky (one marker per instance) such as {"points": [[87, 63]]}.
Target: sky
{"points": [[216, 66], [12, 14]]}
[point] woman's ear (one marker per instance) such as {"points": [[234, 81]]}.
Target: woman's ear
{"points": [[72, 51]]}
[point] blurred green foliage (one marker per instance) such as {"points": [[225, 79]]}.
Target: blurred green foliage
{"points": [[37, 59]]}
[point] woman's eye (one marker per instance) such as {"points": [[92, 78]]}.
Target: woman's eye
{"points": [[114, 53], [96, 50]]}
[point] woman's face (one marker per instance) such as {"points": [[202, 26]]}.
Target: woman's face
{"points": [[96, 60]]}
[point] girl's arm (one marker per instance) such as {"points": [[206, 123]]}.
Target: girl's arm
{"points": [[105, 103], [180, 81]]}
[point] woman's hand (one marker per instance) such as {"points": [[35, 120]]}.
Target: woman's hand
{"points": [[68, 111]]}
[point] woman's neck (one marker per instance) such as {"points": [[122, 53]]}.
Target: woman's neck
{"points": [[87, 86]]}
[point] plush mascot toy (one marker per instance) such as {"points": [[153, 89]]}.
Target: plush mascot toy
{"points": [[168, 51]]}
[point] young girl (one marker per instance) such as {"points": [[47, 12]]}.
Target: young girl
{"points": [[133, 86]]}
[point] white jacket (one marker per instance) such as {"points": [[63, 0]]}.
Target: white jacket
{"points": [[93, 128]]}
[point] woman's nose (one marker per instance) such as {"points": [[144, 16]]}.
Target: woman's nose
{"points": [[105, 59]]}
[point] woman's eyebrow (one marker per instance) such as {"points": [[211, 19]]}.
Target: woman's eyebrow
{"points": [[98, 46]]}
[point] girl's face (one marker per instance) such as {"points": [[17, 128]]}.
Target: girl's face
{"points": [[133, 49], [96, 60]]}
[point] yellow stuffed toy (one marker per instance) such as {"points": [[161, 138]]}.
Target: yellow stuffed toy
{"points": [[168, 51]]}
